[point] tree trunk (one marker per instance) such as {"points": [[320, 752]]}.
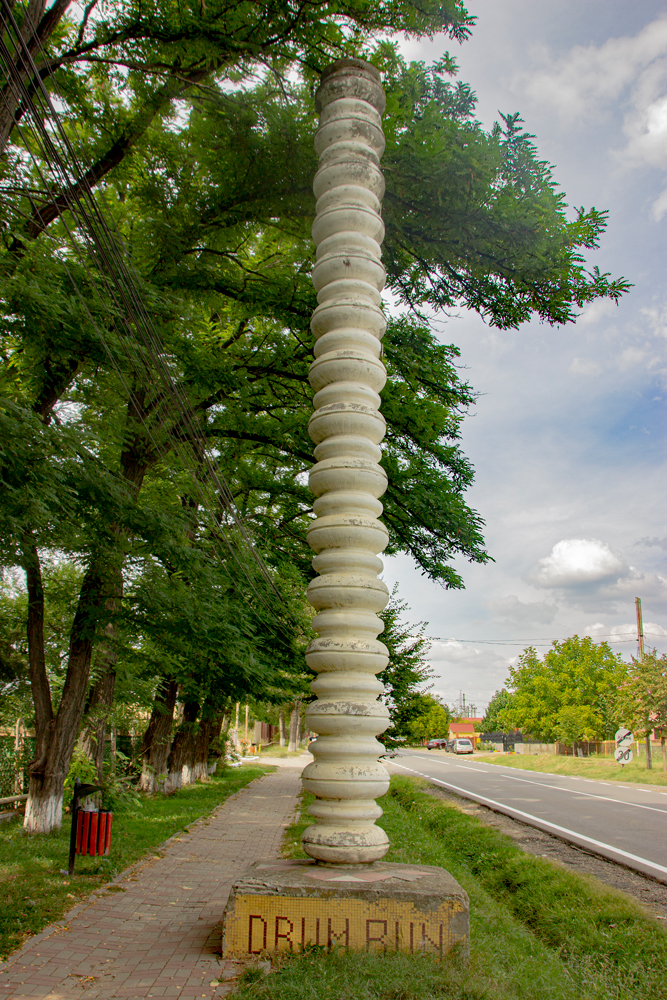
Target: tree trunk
{"points": [[664, 754], [209, 729], [56, 737], [181, 759], [157, 741], [45, 798], [294, 726], [100, 696], [200, 757], [281, 727], [9, 101], [649, 761]]}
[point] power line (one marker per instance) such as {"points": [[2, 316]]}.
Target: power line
{"points": [[530, 642], [106, 247]]}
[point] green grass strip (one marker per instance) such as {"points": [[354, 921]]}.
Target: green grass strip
{"points": [[538, 932], [34, 893], [599, 768], [612, 946]]}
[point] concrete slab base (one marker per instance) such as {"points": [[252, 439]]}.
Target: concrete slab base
{"points": [[288, 905]]}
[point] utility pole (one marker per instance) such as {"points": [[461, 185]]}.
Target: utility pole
{"points": [[640, 628], [640, 645]]}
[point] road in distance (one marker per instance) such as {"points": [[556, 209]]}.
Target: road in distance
{"points": [[625, 823]]}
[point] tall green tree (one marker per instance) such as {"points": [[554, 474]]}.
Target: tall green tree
{"points": [[492, 721], [642, 699], [408, 674], [432, 721], [575, 683], [575, 723]]}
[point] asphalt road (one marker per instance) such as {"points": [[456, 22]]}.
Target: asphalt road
{"points": [[625, 823]]}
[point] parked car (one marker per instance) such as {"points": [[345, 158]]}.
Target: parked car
{"points": [[460, 745], [436, 744], [449, 744]]}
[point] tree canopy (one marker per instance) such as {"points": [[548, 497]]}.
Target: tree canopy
{"points": [[642, 698], [407, 676], [493, 721], [572, 688]]}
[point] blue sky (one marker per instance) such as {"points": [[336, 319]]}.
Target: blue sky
{"points": [[567, 437]]}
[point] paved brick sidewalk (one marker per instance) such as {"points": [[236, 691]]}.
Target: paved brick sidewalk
{"points": [[160, 935]]}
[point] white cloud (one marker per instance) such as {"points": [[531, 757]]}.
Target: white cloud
{"points": [[659, 207], [575, 561], [646, 124], [629, 357], [593, 312], [653, 631], [582, 82], [612, 633], [585, 366], [656, 317], [660, 543], [513, 610], [464, 667], [629, 72], [633, 582], [626, 633]]}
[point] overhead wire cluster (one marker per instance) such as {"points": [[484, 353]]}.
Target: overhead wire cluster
{"points": [[65, 179], [542, 641]]}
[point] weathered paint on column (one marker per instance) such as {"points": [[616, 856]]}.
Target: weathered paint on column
{"points": [[347, 427]]}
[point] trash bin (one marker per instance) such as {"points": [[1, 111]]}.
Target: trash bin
{"points": [[91, 828], [93, 832]]}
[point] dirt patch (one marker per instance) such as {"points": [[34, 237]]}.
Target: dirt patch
{"points": [[652, 895]]}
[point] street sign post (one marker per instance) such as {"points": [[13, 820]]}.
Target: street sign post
{"points": [[623, 753]]}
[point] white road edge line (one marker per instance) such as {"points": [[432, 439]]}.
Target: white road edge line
{"points": [[557, 788], [531, 770], [542, 823]]}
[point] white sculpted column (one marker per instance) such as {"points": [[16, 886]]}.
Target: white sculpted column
{"points": [[347, 427]]}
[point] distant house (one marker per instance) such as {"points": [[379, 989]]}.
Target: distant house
{"points": [[464, 728]]}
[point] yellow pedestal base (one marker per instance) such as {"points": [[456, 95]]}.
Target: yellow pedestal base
{"points": [[382, 907]]}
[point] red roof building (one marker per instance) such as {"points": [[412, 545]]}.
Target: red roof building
{"points": [[466, 727]]}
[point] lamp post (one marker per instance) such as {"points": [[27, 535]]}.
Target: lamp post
{"points": [[347, 428]]}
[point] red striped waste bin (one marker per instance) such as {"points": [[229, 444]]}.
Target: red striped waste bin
{"points": [[93, 832]]}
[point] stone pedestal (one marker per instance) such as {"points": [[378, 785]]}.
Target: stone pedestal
{"points": [[288, 905]]}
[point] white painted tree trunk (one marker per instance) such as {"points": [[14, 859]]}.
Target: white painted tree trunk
{"points": [[347, 428], [148, 779], [294, 727], [199, 771], [174, 781], [281, 727], [44, 808]]}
